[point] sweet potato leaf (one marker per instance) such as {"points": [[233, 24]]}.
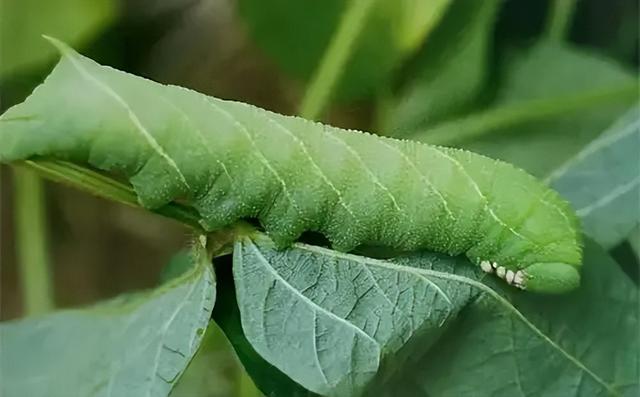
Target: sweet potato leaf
{"points": [[269, 379], [581, 344], [553, 100], [342, 324], [328, 320], [132, 345], [603, 181]]}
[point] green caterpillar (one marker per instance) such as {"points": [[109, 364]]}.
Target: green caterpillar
{"points": [[231, 161]]}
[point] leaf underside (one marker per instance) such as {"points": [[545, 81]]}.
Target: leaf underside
{"points": [[341, 324], [603, 181], [134, 345]]}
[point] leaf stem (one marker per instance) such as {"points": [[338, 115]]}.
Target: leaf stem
{"points": [[31, 242], [559, 19], [335, 57], [105, 187], [488, 121]]}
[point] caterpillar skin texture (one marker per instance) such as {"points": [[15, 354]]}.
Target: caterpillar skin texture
{"points": [[231, 161]]}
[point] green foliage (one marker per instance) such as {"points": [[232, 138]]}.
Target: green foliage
{"points": [[603, 181], [74, 21], [309, 310], [307, 320], [210, 373], [296, 34], [554, 99], [450, 71], [580, 344], [270, 380], [132, 345], [340, 323]]}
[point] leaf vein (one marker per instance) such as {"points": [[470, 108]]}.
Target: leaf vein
{"points": [[608, 198], [311, 303], [474, 284]]}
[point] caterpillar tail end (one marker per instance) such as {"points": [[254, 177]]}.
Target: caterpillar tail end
{"points": [[552, 278]]}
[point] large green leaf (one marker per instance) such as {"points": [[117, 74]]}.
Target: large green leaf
{"points": [[23, 22], [296, 34], [339, 323], [130, 346], [450, 71], [212, 370], [328, 320], [269, 379], [554, 100], [581, 344], [603, 182]]}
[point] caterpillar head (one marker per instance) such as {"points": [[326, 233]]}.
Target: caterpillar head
{"points": [[553, 278]]}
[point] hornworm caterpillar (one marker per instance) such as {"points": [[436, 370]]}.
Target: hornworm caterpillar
{"points": [[231, 161]]}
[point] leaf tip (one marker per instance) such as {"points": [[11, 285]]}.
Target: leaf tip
{"points": [[61, 46]]}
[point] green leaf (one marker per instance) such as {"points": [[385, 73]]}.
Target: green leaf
{"points": [[132, 345], [296, 34], [413, 20], [603, 181], [270, 380], [180, 263], [25, 21], [451, 69], [581, 344], [341, 324], [211, 372], [554, 100], [328, 320]]}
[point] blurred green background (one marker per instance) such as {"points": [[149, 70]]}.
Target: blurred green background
{"points": [[528, 81]]}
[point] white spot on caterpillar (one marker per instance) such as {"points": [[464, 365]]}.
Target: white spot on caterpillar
{"points": [[486, 267], [519, 279], [510, 276]]}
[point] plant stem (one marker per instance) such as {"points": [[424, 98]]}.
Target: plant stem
{"points": [[31, 242], [108, 188], [485, 122], [559, 19], [335, 58]]}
